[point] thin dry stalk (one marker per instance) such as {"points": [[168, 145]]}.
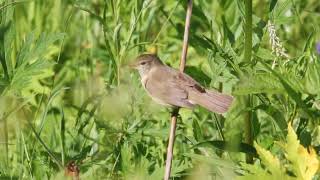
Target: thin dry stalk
{"points": [[175, 112], [186, 37], [174, 116]]}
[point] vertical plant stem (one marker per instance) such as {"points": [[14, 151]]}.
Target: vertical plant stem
{"points": [[174, 116], [62, 136], [186, 37], [247, 58], [248, 126], [6, 143], [248, 31], [175, 112]]}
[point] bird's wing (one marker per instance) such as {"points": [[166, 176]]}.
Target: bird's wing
{"points": [[211, 100], [188, 83], [165, 89]]}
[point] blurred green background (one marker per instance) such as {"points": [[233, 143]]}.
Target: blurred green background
{"points": [[67, 94]]}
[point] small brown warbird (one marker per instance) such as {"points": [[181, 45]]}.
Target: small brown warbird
{"points": [[167, 86]]}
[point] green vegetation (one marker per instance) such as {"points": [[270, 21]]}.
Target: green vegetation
{"points": [[69, 102]]}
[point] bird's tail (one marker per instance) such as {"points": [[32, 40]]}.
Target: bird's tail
{"points": [[211, 100]]}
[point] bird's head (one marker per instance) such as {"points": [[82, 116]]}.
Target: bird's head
{"points": [[145, 62]]}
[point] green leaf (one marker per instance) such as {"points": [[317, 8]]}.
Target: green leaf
{"points": [[271, 162], [198, 75], [228, 146], [25, 50], [212, 160], [116, 37], [31, 59], [309, 43], [272, 4], [305, 138], [240, 6], [276, 115], [259, 83], [255, 125], [9, 40], [292, 92], [281, 8], [265, 54], [217, 167], [3, 49], [302, 163], [228, 34], [312, 78], [23, 75], [197, 130]]}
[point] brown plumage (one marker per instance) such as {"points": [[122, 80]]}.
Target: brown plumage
{"points": [[168, 86]]}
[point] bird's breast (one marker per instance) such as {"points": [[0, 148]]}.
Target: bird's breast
{"points": [[144, 81]]}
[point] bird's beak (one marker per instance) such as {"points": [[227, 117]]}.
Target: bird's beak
{"points": [[133, 65]]}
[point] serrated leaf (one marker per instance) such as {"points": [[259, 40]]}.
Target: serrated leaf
{"points": [[312, 78], [265, 54], [259, 83], [228, 146], [291, 85], [303, 162], [281, 8], [31, 61], [25, 49], [275, 114], [271, 162], [23, 75], [198, 75]]}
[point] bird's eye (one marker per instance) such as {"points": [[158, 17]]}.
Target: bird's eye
{"points": [[143, 63]]}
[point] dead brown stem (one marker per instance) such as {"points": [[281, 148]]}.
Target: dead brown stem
{"points": [[175, 112]]}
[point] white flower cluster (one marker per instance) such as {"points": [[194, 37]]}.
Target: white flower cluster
{"points": [[276, 44]]}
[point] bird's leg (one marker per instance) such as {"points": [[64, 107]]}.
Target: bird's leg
{"points": [[174, 111]]}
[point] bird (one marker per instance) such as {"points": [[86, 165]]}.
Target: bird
{"points": [[170, 87]]}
